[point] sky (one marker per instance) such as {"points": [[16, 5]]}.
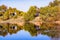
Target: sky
{"points": [[24, 5], [24, 35]]}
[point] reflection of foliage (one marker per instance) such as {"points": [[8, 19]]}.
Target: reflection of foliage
{"points": [[48, 26], [30, 28], [3, 29], [50, 33], [14, 28], [6, 28]]}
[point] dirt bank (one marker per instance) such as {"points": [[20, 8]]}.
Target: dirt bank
{"points": [[19, 21], [37, 21]]}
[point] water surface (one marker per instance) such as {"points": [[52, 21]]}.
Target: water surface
{"points": [[27, 32]]}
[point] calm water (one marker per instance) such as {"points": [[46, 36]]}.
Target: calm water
{"points": [[27, 32]]}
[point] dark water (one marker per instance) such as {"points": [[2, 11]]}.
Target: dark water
{"points": [[27, 32]]}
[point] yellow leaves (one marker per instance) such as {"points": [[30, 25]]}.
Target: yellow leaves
{"points": [[54, 3], [3, 7], [50, 19]]}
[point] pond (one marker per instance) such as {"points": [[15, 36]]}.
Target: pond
{"points": [[27, 32]]}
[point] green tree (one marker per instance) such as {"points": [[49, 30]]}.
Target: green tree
{"points": [[30, 15]]}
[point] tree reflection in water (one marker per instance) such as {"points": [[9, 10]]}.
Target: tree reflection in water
{"points": [[6, 28], [34, 30]]}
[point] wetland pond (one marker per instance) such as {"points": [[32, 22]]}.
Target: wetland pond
{"points": [[27, 32]]}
